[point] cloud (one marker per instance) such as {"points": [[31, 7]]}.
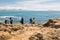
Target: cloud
{"points": [[33, 5]]}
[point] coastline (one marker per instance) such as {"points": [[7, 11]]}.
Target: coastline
{"points": [[31, 31]]}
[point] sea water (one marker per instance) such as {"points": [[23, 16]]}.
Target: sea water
{"points": [[40, 16]]}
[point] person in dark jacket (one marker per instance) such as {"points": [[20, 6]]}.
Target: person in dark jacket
{"points": [[22, 20], [11, 20], [30, 20], [5, 21]]}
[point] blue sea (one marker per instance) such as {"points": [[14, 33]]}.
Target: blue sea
{"points": [[40, 16]]}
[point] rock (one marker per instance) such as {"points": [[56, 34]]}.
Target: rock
{"points": [[50, 22], [16, 28], [37, 36], [53, 23], [56, 25], [4, 35]]}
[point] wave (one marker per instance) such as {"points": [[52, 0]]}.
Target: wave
{"points": [[10, 16]]}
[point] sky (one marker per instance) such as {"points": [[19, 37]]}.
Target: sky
{"points": [[32, 5]]}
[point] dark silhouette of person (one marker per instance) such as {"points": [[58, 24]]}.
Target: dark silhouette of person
{"points": [[5, 21], [30, 20], [11, 20], [22, 20]]}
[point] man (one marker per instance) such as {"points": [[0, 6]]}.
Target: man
{"points": [[22, 20], [30, 20], [11, 21]]}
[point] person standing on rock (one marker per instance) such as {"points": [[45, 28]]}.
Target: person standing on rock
{"points": [[5, 21], [11, 20], [22, 20], [33, 21], [30, 20]]}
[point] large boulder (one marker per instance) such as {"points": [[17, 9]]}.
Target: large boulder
{"points": [[56, 25], [52, 23]]}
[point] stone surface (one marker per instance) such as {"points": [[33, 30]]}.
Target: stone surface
{"points": [[48, 31], [53, 23]]}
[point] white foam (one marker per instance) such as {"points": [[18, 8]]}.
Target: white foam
{"points": [[10, 16]]}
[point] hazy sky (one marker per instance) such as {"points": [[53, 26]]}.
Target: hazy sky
{"points": [[35, 5]]}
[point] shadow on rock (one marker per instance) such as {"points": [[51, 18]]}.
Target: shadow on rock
{"points": [[37, 36]]}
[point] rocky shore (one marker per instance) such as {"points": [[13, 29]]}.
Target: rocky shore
{"points": [[49, 30]]}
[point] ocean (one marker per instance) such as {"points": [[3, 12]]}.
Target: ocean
{"points": [[40, 16]]}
